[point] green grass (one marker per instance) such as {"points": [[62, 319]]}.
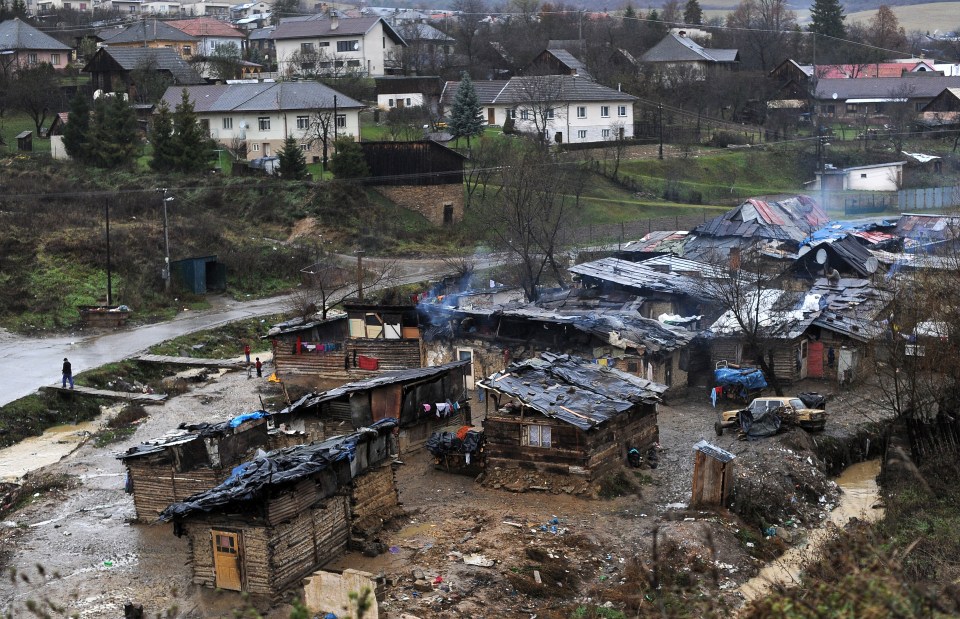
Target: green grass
{"points": [[13, 124], [223, 342], [31, 415]]}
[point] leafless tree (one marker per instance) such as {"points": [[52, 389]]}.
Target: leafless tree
{"points": [[333, 278], [539, 104], [407, 123], [765, 25], [617, 146], [320, 131], [486, 156], [901, 114]]}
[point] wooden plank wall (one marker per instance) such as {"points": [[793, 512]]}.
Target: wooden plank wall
{"points": [[157, 485], [401, 354], [712, 480], [374, 499], [313, 538]]}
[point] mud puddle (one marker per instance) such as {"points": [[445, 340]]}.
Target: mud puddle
{"points": [[50, 447], [860, 494]]}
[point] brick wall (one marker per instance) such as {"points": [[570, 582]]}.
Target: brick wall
{"points": [[428, 200]]}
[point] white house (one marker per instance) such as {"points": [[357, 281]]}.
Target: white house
{"points": [[161, 8], [261, 115], [205, 8], [48, 6], [571, 108], [331, 45], [877, 177]]}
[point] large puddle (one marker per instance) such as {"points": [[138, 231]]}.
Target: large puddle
{"points": [[860, 494], [50, 447]]}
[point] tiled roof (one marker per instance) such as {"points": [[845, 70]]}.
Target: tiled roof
{"points": [[17, 34], [165, 59], [675, 48], [487, 91], [570, 61], [915, 85], [321, 27], [206, 27], [149, 30], [560, 88], [261, 97]]}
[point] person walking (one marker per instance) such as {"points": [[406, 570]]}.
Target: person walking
{"points": [[67, 374], [259, 368], [246, 351]]}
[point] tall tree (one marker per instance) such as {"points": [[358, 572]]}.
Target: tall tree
{"points": [[765, 26], [36, 92], [885, 30], [692, 13], [466, 117], [76, 134], [161, 137], [348, 160], [115, 142], [225, 62], [192, 147], [293, 165], [827, 18], [470, 14]]}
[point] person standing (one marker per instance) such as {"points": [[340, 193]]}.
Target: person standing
{"points": [[67, 374], [259, 368], [246, 351]]}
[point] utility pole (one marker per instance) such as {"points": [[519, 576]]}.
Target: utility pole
{"points": [[335, 121], [360, 274], [660, 122], [106, 209], [166, 244]]}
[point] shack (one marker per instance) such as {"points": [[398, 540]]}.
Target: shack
{"points": [[283, 515], [190, 460], [712, 475], [566, 415], [423, 400], [200, 275]]}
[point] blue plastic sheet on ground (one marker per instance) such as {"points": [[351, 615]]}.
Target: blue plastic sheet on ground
{"points": [[748, 378], [236, 421]]}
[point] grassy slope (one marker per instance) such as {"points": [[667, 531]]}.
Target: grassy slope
{"points": [[927, 17]]}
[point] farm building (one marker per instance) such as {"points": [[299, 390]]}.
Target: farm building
{"points": [[191, 460], [288, 512], [562, 414]]}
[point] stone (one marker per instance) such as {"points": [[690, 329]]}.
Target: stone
{"points": [[423, 586]]}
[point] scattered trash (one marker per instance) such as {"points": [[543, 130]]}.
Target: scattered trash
{"points": [[478, 560], [438, 580], [394, 550], [750, 544], [536, 577], [770, 531], [513, 524], [108, 563]]}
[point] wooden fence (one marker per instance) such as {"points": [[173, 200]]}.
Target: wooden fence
{"points": [[933, 438]]}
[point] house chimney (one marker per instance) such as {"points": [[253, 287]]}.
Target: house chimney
{"points": [[334, 20]]}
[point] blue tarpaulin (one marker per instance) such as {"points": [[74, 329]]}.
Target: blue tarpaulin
{"points": [[749, 378], [236, 421]]}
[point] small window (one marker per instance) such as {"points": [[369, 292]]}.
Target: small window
{"points": [[187, 50], [622, 110], [582, 134], [605, 133], [306, 48], [524, 115], [264, 123], [389, 102], [323, 44], [227, 122], [408, 99], [550, 114], [341, 120], [303, 122], [538, 436], [512, 114], [919, 106], [54, 59], [581, 111], [863, 175], [256, 148], [348, 46], [31, 59], [447, 214], [605, 111], [353, 63], [304, 147]]}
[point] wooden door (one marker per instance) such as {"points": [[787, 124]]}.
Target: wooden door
{"points": [[226, 560], [815, 360], [466, 354], [491, 116]]}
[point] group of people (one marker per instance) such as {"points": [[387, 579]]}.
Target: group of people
{"points": [[259, 364]]}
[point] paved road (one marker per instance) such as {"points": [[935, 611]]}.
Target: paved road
{"points": [[26, 363]]}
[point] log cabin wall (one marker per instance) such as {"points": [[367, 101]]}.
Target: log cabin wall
{"points": [[373, 499], [157, 484]]}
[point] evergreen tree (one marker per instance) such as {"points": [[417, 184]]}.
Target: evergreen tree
{"points": [[293, 165], [466, 117], [827, 17], [19, 8], [348, 160], [76, 134], [692, 13], [161, 136], [114, 132], [191, 146]]}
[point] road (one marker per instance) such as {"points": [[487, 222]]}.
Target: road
{"points": [[28, 363]]}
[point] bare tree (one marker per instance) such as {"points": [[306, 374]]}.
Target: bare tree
{"points": [[901, 113], [407, 123], [765, 25], [320, 131], [333, 278], [538, 105], [617, 146], [486, 156]]}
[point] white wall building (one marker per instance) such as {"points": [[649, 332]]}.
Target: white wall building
{"points": [[878, 177]]}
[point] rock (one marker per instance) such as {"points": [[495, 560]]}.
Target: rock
{"points": [[423, 586], [418, 575], [567, 489]]}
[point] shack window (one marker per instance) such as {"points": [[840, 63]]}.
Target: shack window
{"points": [[538, 436]]}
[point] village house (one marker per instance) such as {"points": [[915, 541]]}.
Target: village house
{"points": [[45, 7], [23, 46], [284, 514], [262, 115], [423, 400], [190, 460], [561, 414], [846, 255], [876, 177], [852, 99], [330, 45], [210, 33], [396, 91], [207, 8], [572, 109], [678, 51], [153, 33], [113, 69], [556, 61]]}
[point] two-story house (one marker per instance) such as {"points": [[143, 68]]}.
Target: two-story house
{"points": [[568, 108], [262, 115], [22, 45], [210, 33], [330, 45], [153, 33]]}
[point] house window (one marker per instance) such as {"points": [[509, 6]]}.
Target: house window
{"points": [[348, 46], [550, 114], [582, 134], [307, 66], [863, 175], [187, 50], [512, 114], [538, 436], [919, 106], [227, 122], [581, 111], [323, 44], [304, 147], [605, 133], [604, 111], [54, 59], [31, 59], [408, 101], [389, 102], [303, 122], [622, 110], [306, 48], [524, 115], [264, 123], [341, 120], [256, 148], [353, 63], [851, 108], [829, 109]]}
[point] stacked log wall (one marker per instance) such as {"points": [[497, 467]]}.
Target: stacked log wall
{"points": [[373, 500], [310, 540], [156, 486]]}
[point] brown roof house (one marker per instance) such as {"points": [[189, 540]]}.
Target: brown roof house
{"points": [[564, 415], [288, 512], [114, 69], [190, 460]]}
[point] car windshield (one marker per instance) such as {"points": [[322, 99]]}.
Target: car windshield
{"points": [[797, 403]]}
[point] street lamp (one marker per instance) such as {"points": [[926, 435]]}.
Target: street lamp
{"points": [[166, 243]]}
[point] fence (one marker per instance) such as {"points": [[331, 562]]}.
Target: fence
{"points": [[933, 438], [928, 198]]}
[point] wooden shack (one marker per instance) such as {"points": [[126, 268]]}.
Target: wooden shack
{"points": [[424, 400], [288, 512], [712, 475], [195, 458], [563, 414]]}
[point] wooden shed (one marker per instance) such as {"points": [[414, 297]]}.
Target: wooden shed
{"points": [[712, 475], [194, 459], [563, 414], [288, 513]]}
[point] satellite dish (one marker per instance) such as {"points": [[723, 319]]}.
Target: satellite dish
{"points": [[803, 251], [821, 256], [834, 96], [356, 45], [871, 265]]}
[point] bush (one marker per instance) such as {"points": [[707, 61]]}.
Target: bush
{"points": [[723, 139]]}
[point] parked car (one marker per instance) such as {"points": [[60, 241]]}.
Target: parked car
{"points": [[765, 415]]}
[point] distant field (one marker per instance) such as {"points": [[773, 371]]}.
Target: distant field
{"points": [[942, 16]]}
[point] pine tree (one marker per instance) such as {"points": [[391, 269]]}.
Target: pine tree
{"points": [[161, 136], [76, 134], [827, 17], [293, 165], [191, 147], [466, 117], [114, 132], [692, 13], [348, 160]]}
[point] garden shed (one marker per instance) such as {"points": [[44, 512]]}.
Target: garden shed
{"points": [[200, 275]]}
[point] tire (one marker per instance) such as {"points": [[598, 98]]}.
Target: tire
{"points": [[718, 427]]}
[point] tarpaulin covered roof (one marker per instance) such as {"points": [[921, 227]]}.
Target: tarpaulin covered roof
{"points": [[873, 231], [187, 433], [572, 389], [276, 469]]}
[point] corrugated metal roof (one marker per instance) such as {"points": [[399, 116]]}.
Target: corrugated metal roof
{"points": [[572, 389], [650, 275], [851, 307]]}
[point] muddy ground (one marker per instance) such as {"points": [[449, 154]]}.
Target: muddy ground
{"points": [[74, 550]]}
